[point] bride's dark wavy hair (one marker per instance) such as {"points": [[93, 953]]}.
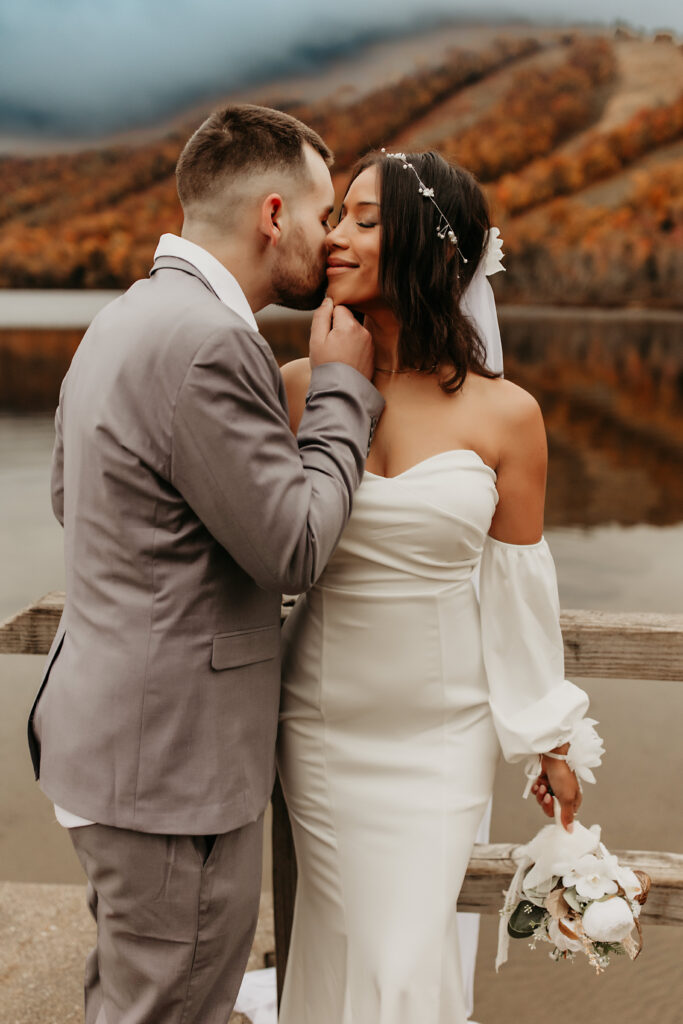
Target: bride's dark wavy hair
{"points": [[421, 276]]}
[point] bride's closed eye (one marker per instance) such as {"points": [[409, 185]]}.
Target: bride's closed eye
{"points": [[359, 223]]}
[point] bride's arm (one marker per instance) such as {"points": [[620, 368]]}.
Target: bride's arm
{"points": [[522, 467], [297, 378], [531, 700]]}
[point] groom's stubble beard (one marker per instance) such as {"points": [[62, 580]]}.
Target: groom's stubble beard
{"points": [[300, 274]]}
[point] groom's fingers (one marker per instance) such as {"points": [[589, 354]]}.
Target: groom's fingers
{"points": [[342, 317], [320, 328], [337, 337]]}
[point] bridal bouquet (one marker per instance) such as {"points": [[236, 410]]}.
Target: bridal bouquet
{"points": [[571, 892]]}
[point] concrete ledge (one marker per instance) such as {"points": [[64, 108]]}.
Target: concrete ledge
{"points": [[45, 934]]}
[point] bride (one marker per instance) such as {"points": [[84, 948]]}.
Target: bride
{"points": [[400, 687]]}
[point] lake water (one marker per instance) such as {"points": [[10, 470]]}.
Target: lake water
{"points": [[629, 556]]}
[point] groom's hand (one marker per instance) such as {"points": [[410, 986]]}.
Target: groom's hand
{"points": [[337, 337]]}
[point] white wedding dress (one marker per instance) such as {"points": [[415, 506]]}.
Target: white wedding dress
{"points": [[399, 690]]}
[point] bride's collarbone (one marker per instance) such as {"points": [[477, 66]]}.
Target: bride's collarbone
{"points": [[408, 435], [392, 456]]}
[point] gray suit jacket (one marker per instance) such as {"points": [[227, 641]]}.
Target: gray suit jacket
{"points": [[188, 507]]}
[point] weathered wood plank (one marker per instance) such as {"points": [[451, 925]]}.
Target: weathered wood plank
{"points": [[492, 866], [622, 645], [611, 645], [32, 630]]}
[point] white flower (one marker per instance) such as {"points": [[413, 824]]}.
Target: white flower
{"points": [[585, 749], [592, 877], [594, 887], [493, 253], [428, 193], [627, 879], [553, 852], [562, 941], [629, 882], [608, 920]]}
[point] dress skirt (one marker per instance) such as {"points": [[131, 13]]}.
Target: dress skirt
{"points": [[387, 757]]}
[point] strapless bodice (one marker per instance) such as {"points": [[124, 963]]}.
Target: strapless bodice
{"points": [[429, 523]]}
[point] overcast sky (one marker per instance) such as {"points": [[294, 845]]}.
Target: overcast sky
{"points": [[92, 66]]}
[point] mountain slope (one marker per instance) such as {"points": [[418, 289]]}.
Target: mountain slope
{"points": [[578, 137]]}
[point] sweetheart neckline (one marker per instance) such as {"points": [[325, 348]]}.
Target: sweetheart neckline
{"points": [[430, 458]]}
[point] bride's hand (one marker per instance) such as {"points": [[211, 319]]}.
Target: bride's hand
{"points": [[557, 779]]}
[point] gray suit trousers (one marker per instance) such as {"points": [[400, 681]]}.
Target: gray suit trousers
{"points": [[175, 916]]}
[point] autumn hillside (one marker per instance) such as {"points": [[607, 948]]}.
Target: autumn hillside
{"points": [[577, 137]]}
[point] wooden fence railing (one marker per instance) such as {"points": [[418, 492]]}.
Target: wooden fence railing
{"points": [[598, 644]]}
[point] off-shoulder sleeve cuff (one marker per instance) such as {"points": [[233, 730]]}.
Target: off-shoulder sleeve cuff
{"points": [[534, 708], [584, 753]]}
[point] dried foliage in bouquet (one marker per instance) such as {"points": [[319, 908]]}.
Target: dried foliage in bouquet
{"points": [[571, 892]]}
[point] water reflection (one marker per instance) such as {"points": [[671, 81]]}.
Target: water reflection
{"points": [[611, 388], [610, 383]]}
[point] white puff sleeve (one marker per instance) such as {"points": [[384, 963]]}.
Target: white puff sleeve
{"points": [[534, 707]]}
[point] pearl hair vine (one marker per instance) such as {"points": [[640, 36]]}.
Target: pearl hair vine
{"points": [[443, 227]]}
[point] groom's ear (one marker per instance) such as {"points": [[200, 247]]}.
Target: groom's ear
{"points": [[270, 218]]}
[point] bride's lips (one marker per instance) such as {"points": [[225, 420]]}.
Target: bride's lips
{"points": [[337, 266]]}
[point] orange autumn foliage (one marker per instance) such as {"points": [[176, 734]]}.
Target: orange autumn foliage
{"points": [[540, 109], [601, 155], [92, 219], [578, 254]]}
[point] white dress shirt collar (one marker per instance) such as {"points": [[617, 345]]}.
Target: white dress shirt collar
{"points": [[219, 277]]}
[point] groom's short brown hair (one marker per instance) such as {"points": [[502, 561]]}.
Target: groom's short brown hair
{"points": [[243, 139]]}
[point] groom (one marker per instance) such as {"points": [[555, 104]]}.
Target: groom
{"points": [[187, 507]]}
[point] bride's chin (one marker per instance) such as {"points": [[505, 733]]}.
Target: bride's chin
{"points": [[340, 296]]}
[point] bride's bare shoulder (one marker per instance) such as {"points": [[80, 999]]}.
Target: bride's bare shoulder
{"points": [[297, 377], [508, 402], [515, 421]]}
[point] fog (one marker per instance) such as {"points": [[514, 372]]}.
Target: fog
{"points": [[88, 67]]}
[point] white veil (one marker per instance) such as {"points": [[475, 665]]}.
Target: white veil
{"points": [[479, 304]]}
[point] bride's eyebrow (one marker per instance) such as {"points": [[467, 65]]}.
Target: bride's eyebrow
{"points": [[365, 202]]}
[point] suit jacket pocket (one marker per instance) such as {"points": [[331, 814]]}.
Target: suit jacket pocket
{"points": [[246, 647]]}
